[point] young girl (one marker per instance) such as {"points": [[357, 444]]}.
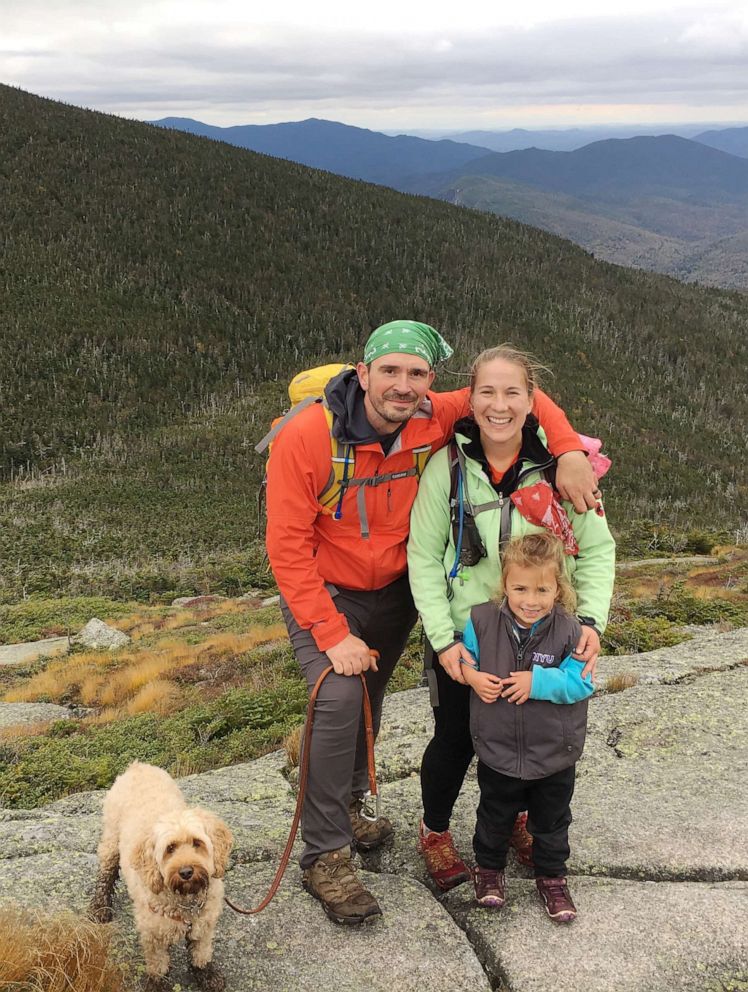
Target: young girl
{"points": [[528, 716]]}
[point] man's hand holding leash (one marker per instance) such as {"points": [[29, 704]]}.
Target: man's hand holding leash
{"points": [[351, 657]]}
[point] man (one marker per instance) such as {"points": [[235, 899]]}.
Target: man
{"points": [[338, 553]]}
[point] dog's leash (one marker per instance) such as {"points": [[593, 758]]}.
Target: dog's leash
{"points": [[303, 776]]}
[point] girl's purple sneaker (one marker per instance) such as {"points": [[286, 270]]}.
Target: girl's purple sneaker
{"points": [[490, 887], [555, 895]]}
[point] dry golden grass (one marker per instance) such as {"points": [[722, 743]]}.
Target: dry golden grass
{"points": [[161, 697], [61, 678], [624, 680], [144, 624], [292, 746], [62, 953], [116, 682]]}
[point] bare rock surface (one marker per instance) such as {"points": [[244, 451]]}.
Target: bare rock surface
{"points": [[659, 864], [16, 714], [629, 937], [18, 654]]}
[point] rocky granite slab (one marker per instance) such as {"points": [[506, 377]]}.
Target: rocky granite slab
{"points": [[658, 866], [291, 947], [708, 650], [629, 937], [660, 793]]}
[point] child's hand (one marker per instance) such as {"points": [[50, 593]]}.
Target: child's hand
{"points": [[488, 687], [517, 687]]}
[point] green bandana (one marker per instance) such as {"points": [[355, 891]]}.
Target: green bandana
{"points": [[407, 337]]}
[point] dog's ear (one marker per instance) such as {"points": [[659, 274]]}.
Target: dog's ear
{"points": [[221, 838], [144, 862]]}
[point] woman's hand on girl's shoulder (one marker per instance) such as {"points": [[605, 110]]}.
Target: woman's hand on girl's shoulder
{"points": [[587, 650]]}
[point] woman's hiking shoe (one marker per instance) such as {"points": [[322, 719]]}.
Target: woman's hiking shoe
{"points": [[443, 863], [490, 887], [521, 841], [555, 895], [369, 831], [333, 880]]}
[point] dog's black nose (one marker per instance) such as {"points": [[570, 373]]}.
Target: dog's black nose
{"points": [[186, 873]]}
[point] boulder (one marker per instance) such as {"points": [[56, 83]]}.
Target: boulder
{"points": [[99, 636]]}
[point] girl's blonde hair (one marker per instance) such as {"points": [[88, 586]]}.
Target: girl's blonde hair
{"points": [[539, 551], [508, 353]]}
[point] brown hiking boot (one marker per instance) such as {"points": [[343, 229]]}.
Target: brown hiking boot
{"points": [[490, 887], [369, 830], [555, 895], [521, 841], [333, 881], [443, 863]]}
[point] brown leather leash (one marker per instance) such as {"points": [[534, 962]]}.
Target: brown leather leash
{"points": [[303, 776]]}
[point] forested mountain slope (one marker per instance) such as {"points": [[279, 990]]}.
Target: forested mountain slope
{"points": [[159, 290]]}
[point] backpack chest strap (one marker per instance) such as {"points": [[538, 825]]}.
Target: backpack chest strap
{"points": [[374, 480]]}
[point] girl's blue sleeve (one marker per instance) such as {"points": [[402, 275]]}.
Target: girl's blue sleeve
{"points": [[470, 640], [563, 684]]}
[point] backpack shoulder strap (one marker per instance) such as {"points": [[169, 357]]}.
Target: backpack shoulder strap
{"points": [[281, 422], [342, 468]]}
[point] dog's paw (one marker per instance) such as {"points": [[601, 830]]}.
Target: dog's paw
{"points": [[100, 912], [209, 978]]}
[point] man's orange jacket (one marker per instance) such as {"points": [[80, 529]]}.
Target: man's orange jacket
{"points": [[308, 548]]}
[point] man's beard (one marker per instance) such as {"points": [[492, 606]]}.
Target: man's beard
{"points": [[397, 416]]}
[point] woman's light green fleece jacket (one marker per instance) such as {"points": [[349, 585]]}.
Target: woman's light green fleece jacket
{"points": [[431, 551]]}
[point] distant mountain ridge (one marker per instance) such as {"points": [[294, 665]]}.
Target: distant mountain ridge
{"points": [[348, 151], [563, 139], [730, 139], [620, 167]]}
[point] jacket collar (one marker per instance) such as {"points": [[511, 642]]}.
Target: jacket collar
{"points": [[533, 450]]}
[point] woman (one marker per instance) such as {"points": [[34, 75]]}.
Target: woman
{"points": [[463, 515]]}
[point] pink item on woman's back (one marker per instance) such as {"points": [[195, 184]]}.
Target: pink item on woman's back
{"points": [[600, 463]]}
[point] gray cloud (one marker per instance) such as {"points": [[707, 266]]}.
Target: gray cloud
{"points": [[660, 60]]}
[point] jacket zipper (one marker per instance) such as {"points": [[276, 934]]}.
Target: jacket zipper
{"points": [[519, 658]]}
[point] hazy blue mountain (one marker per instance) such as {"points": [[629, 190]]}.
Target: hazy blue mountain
{"points": [[618, 169], [731, 139], [349, 151], [559, 139], [662, 203], [553, 140]]}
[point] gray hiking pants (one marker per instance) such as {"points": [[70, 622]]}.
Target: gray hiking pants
{"points": [[382, 618]]}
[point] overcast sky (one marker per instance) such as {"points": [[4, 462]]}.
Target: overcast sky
{"points": [[396, 64]]}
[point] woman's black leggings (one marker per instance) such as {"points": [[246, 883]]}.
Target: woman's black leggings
{"points": [[450, 751]]}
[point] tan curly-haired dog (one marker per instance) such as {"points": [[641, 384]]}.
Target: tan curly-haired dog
{"points": [[172, 859]]}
